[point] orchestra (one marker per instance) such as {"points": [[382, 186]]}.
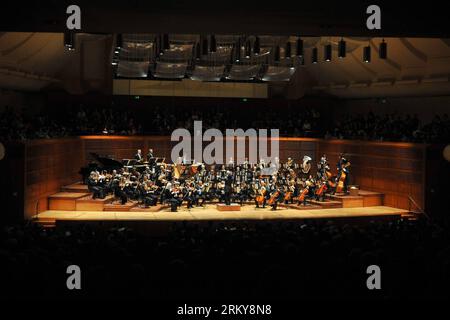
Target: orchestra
{"points": [[153, 181]]}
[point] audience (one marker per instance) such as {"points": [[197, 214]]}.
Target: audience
{"points": [[391, 127], [291, 121], [291, 260]]}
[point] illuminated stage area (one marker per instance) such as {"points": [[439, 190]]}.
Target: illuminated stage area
{"points": [[210, 213], [75, 204]]}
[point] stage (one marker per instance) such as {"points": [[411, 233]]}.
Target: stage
{"points": [[209, 213]]}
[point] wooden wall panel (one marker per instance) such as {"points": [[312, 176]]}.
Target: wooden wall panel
{"points": [[396, 169], [49, 165]]}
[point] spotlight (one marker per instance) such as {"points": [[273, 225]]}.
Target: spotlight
{"points": [[287, 53], [238, 50], [69, 40], [366, 54], [198, 51], [155, 45], [342, 51], [383, 50], [327, 52], [205, 46], [161, 44], [119, 41], [277, 54], [299, 47], [166, 45], [256, 46], [248, 49], [213, 44], [314, 55]]}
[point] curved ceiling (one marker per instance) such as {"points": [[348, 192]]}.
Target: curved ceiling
{"points": [[413, 66]]}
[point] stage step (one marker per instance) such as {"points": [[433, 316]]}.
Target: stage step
{"points": [[65, 200], [371, 198], [327, 204], [75, 187], [87, 203], [349, 201], [117, 206]]}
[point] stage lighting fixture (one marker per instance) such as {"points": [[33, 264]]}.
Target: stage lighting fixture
{"points": [[327, 52], [248, 49], [299, 47], [119, 41], [155, 46], [366, 54], [256, 46], [314, 55], [166, 45], [277, 54], [204, 46], [287, 53], [342, 51], [213, 44], [69, 40], [383, 50], [238, 50], [198, 51], [161, 45]]}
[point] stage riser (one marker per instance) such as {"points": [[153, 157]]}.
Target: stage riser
{"points": [[79, 203], [65, 200], [222, 207], [76, 187]]}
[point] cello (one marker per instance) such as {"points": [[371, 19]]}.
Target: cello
{"points": [[320, 192], [261, 198], [302, 197]]}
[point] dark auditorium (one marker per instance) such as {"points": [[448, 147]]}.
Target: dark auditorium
{"points": [[223, 161]]}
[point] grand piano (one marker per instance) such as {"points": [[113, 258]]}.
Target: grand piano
{"points": [[99, 163]]}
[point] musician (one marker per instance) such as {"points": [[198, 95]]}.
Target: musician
{"points": [[199, 194], [94, 186], [138, 156], [343, 167], [151, 193], [120, 191], [228, 188], [189, 195], [275, 197], [323, 167], [175, 196], [150, 155]]}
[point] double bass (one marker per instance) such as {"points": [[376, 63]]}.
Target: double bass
{"points": [[340, 181]]}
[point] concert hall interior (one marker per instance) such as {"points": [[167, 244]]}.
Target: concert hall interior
{"points": [[233, 153]]}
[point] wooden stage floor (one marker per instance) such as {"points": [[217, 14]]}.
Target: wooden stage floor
{"points": [[210, 213]]}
